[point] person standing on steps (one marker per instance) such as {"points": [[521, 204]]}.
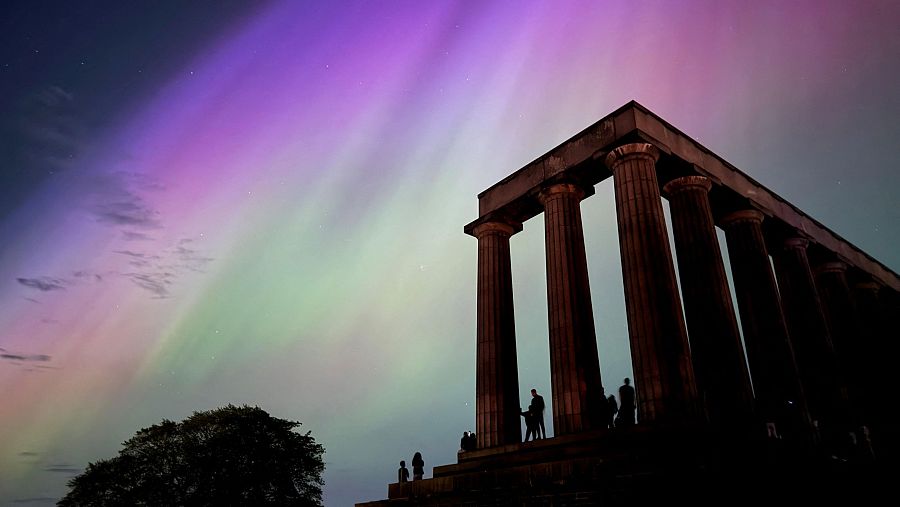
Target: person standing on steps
{"points": [[531, 430], [403, 473], [626, 404], [537, 410], [418, 465]]}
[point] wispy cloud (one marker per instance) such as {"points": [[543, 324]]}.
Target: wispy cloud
{"points": [[53, 283], [154, 272], [189, 257], [158, 272], [139, 255], [135, 236], [27, 363], [43, 283], [25, 357], [63, 468], [88, 276], [138, 259], [129, 210], [120, 202], [156, 283]]}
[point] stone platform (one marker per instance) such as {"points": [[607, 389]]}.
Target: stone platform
{"points": [[634, 466]]}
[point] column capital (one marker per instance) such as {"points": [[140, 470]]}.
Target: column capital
{"points": [[832, 267], [633, 150], [795, 243], [486, 228], [873, 286], [747, 215], [548, 192], [687, 183]]}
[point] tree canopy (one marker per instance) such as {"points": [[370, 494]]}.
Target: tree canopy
{"points": [[228, 456]]}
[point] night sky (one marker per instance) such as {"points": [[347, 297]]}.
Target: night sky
{"points": [[214, 202]]}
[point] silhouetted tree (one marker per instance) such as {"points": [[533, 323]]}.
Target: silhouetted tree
{"points": [[228, 456]]}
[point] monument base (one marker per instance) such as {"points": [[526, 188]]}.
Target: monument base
{"points": [[637, 466]]}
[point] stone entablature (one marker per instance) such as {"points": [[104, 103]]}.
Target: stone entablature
{"points": [[581, 159]]}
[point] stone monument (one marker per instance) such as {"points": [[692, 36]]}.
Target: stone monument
{"points": [[817, 328]]}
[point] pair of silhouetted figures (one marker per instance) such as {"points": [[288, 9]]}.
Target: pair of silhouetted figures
{"points": [[534, 417], [468, 442], [418, 465], [614, 415]]}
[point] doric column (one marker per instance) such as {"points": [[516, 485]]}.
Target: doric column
{"points": [[660, 356], [819, 370], [776, 381], [574, 365], [846, 335], [497, 381], [890, 301], [876, 343], [716, 349], [873, 357]]}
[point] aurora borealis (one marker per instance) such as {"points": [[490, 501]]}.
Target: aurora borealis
{"points": [[262, 202]]}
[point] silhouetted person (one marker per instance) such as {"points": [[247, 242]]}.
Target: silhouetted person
{"points": [[537, 409], [418, 466], [467, 442], [403, 473], [626, 404], [612, 408], [473, 441], [602, 409], [531, 427]]}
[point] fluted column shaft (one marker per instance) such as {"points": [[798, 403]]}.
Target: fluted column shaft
{"points": [[819, 370], [574, 365], [846, 333], [497, 382], [716, 349], [776, 381], [872, 354], [877, 346], [664, 378]]}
